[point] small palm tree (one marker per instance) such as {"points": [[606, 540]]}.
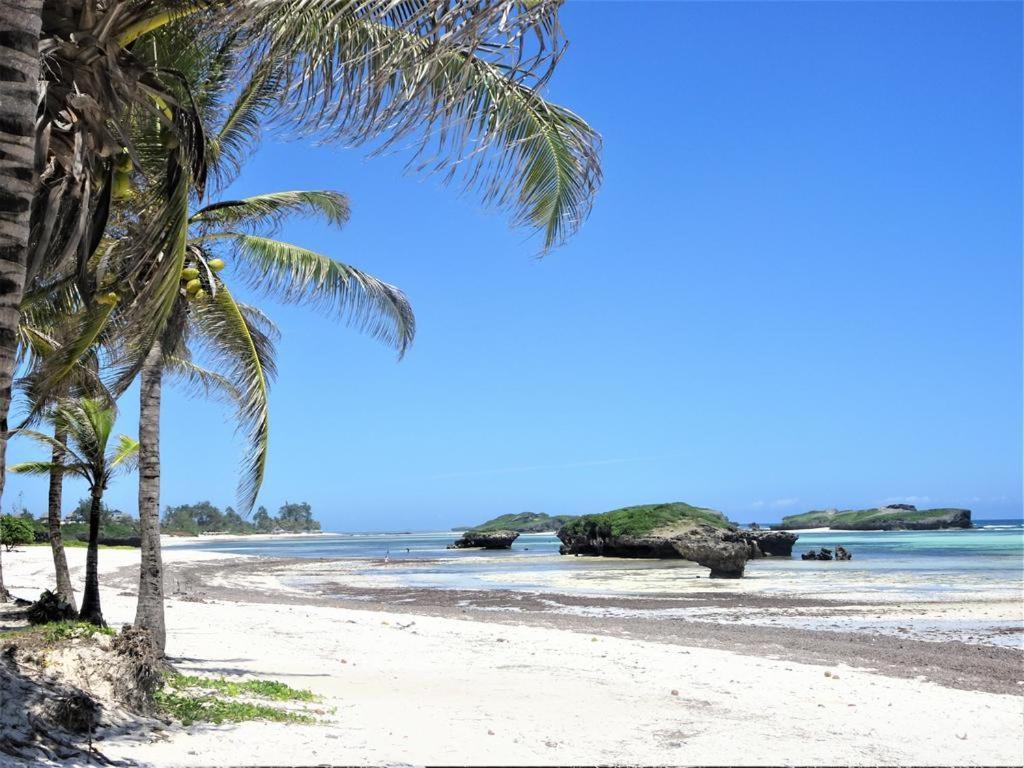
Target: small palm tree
{"points": [[88, 423]]}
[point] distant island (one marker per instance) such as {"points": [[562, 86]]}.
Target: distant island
{"points": [[673, 530], [524, 522], [895, 517]]}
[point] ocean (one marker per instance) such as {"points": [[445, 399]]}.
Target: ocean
{"points": [[986, 561]]}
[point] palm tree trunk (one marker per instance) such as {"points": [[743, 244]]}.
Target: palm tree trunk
{"points": [[150, 611], [5, 596], [20, 22], [60, 562], [91, 598]]}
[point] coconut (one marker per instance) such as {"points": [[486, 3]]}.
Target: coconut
{"points": [[108, 299], [189, 273], [199, 295], [122, 185], [215, 264], [192, 286]]}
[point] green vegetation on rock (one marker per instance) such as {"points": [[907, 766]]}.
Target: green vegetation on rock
{"points": [[524, 522], [879, 519], [646, 518]]}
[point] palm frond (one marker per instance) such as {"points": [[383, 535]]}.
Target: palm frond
{"points": [[33, 467], [199, 381], [269, 210], [295, 275], [126, 454], [246, 358], [464, 93], [51, 442], [239, 133], [157, 269], [64, 360]]}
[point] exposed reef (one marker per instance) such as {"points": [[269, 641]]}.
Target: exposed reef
{"points": [[675, 530], [485, 540]]}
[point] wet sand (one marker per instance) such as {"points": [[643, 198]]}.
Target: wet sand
{"points": [[659, 617]]}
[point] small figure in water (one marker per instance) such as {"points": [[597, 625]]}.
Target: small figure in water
{"points": [[387, 554]]}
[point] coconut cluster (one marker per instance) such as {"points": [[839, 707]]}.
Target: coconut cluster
{"points": [[191, 281]]}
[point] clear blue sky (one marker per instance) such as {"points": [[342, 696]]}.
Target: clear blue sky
{"points": [[800, 286]]}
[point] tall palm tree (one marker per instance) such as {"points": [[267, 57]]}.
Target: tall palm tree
{"points": [[89, 424], [205, 316]]}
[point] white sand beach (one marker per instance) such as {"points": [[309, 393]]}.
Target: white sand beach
{"points": [[402, 688]]}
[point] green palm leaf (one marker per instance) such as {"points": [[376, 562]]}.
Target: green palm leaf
{"points": [[32, 468], [357, 73], [245, 355], [295, 275], [271, 209]]}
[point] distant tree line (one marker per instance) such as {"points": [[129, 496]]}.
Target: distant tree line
{"points": [[21, 527], [204, 517]]}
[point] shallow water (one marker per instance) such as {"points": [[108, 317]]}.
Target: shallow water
{"points": [[984, 562]]}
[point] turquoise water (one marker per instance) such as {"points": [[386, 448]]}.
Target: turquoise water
{"points": [[987, 558]]}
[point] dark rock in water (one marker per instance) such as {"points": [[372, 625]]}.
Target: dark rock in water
{"points": [[841, 553], [768, 543], [486, 540], [821, 554]]}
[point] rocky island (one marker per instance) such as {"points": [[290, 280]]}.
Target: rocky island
{"points": [[475, 539], [674, 530], [895, 517], [524, 522]]}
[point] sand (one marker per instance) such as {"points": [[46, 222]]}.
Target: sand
{"points": [[400, 687]]}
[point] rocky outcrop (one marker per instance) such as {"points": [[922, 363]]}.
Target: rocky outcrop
{"points": [[895, 517], [486, 540], [768, 543], [826, 554], [674, 530], [715, 548]]}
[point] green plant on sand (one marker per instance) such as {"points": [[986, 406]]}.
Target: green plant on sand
{"points": [[192, 699]]}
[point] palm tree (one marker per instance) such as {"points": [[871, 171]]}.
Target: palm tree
{"points": [[89, 423], [461, 77], [204, 314], [43, 329]]}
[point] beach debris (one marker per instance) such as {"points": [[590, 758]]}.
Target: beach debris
{"points": [[490, 732], [50, 607], [828, 673], [674, 692]]}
